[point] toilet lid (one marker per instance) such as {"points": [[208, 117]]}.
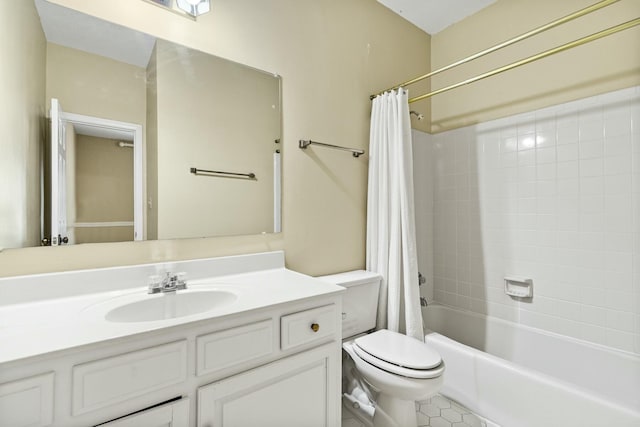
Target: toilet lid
{"points": [[398, 370], [398, 349]]}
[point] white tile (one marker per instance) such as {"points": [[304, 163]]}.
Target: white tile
{"points": [[591, 149], [621, 340], [591, 204], [621, 320], [526, 141], [618, 122], [569, 204], [622, 223], [568, 239], [568, 170], [567, 135], [594, 333], [592, 186], [567, 118], [592, 242], [546, 222], [591, 130], [591, 277], [567, 152], [594, 315], [619, 300], [537, 320], [568, 310], [526, 173], [546, 188], [619, 145], [509, 159], [526, 189], [617, 165], [566, 212], [546, 137], [592, 222], [525, 124], [617, 184], [591, 167], [591, 259], [546, 172], [615, 205], [592, 296], [568, 222], [546, 155], [618, 242], [451, 415], [546, 205], [569, 187]]}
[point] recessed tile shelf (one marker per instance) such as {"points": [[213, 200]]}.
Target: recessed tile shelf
{"points": [[520, 287]]}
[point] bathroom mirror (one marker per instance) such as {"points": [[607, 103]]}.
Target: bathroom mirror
{"points": [[205, 160]]}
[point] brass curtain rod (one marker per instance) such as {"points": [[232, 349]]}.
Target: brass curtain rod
{"points": [[570, 45], [509, 42]]}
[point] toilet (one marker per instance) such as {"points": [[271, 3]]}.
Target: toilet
{"points": [[385, 372]]}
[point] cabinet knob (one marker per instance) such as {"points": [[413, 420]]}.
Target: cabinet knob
{"points": [[315, 327]]}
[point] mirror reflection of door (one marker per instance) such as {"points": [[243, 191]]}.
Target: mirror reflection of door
{"points": [[93, 177], [58, 196]]}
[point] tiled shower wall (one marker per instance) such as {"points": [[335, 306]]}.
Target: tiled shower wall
{"points": [[553, 195]]}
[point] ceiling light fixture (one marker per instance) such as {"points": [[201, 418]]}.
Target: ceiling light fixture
{"points": [[194, 7]]}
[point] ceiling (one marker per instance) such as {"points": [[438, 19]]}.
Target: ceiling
{"points": [[73, 29], [434, 16]]}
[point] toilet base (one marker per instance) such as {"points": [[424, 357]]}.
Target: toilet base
{"points": [[394, 412]]}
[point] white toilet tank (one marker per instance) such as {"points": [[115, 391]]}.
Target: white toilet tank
{"points": [[359, 302]]}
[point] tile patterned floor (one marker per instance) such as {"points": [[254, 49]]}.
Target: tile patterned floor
{"points": [[438, 411]]}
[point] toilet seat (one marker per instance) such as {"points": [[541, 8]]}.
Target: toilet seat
{"points": [[399, 354]]}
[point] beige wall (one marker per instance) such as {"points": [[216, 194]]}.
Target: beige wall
{"points": [[104, 234], [95, 86], [22, 112], [601, 66], [217, 115], [331, 55], [151, 152], [104, 180]]}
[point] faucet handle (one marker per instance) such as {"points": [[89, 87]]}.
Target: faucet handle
{"points": [[154, 284], [181, 280]]}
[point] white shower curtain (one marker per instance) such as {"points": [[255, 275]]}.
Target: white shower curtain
{"points": [[391, 235]]}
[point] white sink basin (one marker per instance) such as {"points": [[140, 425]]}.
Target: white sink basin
{"points": [[141, 307]]}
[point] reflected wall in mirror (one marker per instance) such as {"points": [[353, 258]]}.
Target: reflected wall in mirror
{"points": [[195, 111]]}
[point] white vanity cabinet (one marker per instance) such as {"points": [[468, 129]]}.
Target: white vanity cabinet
{"points": [[292, 392], [270, 359], [169, 415]]}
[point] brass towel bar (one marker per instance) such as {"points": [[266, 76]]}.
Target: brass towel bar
{"points": [[197, 171], [303, 144], [516, 39]]}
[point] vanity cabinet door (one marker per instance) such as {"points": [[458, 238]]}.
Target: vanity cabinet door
{"points": [[300, 390], [170, 415]]}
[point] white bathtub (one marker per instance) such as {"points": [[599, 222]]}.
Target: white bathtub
{"points": [[519, 376]]}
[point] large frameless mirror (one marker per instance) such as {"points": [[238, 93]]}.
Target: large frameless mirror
{"points": [[145, 139]]}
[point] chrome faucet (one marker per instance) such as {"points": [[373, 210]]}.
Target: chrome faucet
{"points": [[169, 283]]}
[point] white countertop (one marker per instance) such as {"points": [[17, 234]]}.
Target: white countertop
{"points": [[43, 326]]}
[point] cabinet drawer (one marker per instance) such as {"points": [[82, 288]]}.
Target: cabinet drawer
{"points": [[117, 379], [175, 414], [307, 326], [27, 402], [235, 346]]}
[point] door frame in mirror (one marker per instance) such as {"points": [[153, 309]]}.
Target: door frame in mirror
{"points": [[136, 130]]}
